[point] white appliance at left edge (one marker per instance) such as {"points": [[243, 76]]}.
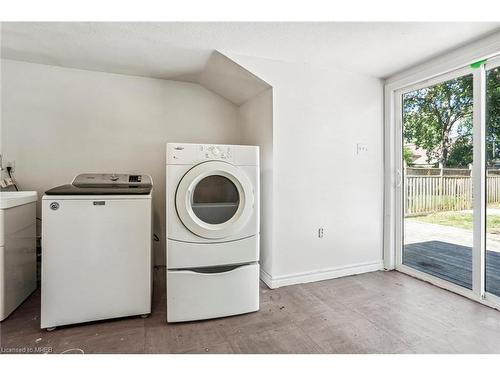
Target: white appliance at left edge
{"points": [[17, 249], [96, 249]]}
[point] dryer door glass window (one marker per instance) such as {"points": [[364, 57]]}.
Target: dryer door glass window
{"points": [[215, 199]]}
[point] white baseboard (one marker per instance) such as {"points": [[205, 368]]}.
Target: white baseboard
{"points": [[266, 278], [330, 273]]}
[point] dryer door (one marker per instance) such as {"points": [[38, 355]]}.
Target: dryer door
{"points": [[214, 199]]}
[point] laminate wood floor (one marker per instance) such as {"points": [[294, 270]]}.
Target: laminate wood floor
{"points": [[378, 312]]}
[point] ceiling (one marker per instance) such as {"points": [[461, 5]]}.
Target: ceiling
{"points": [[181, 50]]}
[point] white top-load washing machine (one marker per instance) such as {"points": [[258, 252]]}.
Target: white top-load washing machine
{"points": [[96, 249], [212, 230]]}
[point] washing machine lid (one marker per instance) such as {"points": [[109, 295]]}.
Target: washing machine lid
{"points": [[214, 199], [105, 184], [75, 190]]}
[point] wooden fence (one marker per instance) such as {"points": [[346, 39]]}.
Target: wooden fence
{"points": [[427, 194]]}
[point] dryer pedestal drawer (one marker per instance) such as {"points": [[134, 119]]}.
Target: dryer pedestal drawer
{"points": [[204, 294], [188, 255]]}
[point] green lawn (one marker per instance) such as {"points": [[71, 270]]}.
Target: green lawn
{"points": [[460, 220]]}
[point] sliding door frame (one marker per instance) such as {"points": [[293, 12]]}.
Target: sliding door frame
{"points": [[490, 298], [393, 196], [398, 106]]}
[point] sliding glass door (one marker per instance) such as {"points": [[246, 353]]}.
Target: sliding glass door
{"points": [[447, 188], [437, 178], [492, 109]]}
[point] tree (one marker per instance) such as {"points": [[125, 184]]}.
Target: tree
{"points": [[407, 155], [460, 153], [437, 117], [493, 116]]}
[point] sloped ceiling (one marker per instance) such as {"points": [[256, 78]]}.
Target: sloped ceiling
{"points": [[107, 47], [170, 49], [228, 79], [123, 49], [185, 50]]}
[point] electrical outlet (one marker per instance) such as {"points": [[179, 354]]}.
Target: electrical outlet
{"points": [[320, 232], [361, 148]]}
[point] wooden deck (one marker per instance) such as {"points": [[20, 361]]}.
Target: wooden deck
{"points": [[452, 262]]}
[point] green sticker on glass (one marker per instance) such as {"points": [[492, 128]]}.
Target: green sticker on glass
{"points": [[477, 64]]}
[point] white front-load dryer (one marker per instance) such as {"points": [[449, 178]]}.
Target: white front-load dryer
{"points": [[212, 230]]}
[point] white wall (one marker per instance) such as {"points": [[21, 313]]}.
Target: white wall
{"points": [[256, 126], [319, 180], [57, 122]]}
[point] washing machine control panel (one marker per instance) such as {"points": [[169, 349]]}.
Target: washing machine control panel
{"points": [[111, 179]]}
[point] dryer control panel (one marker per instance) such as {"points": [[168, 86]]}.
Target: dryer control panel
{"points": [[191, 153], [217, 152], [187, 154]]}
